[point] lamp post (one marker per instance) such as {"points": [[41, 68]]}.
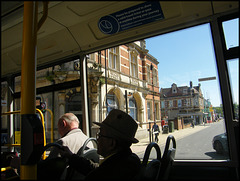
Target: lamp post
{"points": [[205, 106], [153, 94], [151, 67]]}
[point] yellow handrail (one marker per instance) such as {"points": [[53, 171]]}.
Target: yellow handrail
{"points": [[49, 110], [5, 169], [10, 112], [44, 134], [42, 119], [12, 145]]}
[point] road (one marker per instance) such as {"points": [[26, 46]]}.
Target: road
{"points": [[199, 145], [192, 143]]}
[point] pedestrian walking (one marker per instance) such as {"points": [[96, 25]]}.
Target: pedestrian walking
{"points": [[156, 131], [192, 124]]}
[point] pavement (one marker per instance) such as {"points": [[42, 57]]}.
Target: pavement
{"points": [[140, 147]]}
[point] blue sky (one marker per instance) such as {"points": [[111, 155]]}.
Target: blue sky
{"points": [[188, 55]]}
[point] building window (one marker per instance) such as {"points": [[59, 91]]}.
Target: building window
{"points": [[184, 91], [148, 74], [133, 108], [155, 77], [170, 103], [162, 104], [174, 88], [113, 58], [196, 101], [133, 64], [187, 102], [149, 105], [156, 111], [112, 102], [92, 57], [179, 103]]}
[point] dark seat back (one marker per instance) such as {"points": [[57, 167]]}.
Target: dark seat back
{"points": [[51, 169], [90, 153], [150, 170], [84, 151], [167, 158]]}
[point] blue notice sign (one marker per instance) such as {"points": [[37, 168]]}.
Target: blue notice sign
{"points": [[134, 16]]}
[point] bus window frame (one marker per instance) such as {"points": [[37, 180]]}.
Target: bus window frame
{"points": [[222, 55]]}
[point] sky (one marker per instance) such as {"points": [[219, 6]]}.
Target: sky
{"points": [[188, 55]]}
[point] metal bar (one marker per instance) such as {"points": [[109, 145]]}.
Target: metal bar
{"points": [[42, 119], [206, 78], [217, 34], [45, 13], [106, 81], [28, 74], [44, 134], [84, 85], [52, 125]]}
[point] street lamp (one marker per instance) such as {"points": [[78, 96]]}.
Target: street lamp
{"points": [[151, 135], [201, 80], [151, 67]]}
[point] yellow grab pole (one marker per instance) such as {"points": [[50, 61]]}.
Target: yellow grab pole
{"points": [[44, 134], [32, 134], [29, 48], [52, 124], [28, 77]]}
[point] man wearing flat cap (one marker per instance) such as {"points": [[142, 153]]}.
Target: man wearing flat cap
{"points": [[114, 139]]}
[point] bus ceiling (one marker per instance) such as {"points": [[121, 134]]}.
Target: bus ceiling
{"points": [[83, 27]]}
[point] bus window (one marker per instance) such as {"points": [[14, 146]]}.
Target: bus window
{"points": [[188, 78], [233, 71], [231, 35]]}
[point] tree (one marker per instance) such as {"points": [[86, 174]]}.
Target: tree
{"points": [[219, 110]]}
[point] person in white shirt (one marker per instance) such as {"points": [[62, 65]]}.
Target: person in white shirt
{"points": [[71, 135]]}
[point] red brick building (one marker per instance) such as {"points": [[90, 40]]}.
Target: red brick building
{"points": [[183, 105]]}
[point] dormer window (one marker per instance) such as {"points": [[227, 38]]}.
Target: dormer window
{"points": [[174, 88]]}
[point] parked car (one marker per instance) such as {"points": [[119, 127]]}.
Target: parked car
{"points": [[219, 143]]}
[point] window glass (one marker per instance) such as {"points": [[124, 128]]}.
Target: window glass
{"points": [[155, 77], [134, 64], [57, 104], [113, 57], [133, 108], [148, 74], [194, 111], [231, 33], [4, 100], [112, 102], [162, 104], [179, 103], [157, 112], [149, 110], [61, 73], [233, 71]]}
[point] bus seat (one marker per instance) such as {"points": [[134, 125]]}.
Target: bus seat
{"points": [[84, 151], [90, 153], [167, 158], [150, 170], [51, 169]]}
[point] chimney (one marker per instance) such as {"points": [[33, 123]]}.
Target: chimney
{"points": [[190, 84]]}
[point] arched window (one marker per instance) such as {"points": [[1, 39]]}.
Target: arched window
{"points": [[133, 108], [112, 102], [74, 104]]}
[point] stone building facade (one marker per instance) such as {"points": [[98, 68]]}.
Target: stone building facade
{"points": [[183, 105], [123, 77], [131, 75]]}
